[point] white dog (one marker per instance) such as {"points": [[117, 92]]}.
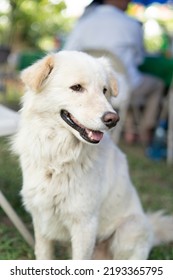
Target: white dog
{"points": [[76, 183]]}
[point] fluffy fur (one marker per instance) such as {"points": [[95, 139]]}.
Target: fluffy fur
{"points": [[75, 190]]}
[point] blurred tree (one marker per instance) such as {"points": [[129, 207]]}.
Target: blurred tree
{"points": [[26, 22]]}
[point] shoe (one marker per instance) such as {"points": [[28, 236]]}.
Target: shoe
{"points": [[156, 153]]}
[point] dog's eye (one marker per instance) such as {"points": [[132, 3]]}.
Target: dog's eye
{"points": [[104, 90], [77, 87]]}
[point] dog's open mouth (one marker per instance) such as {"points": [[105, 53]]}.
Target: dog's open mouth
{"points": [[87, 134]]}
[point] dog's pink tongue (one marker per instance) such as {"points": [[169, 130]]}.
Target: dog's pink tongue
{"points": [[95, 135]]}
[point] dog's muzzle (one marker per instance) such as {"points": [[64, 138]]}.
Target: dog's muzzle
{"points": [[92, 136]]}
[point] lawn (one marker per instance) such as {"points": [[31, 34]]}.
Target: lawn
{"points": [[154, 181]]}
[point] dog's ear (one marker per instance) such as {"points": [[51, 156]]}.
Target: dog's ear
{"points": [[35, 75], [113, 83], [111, 75]]}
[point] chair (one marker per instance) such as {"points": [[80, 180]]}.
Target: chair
{"points": [[8, 125], [124, 84]]}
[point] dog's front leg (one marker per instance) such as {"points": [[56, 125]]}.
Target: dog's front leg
{"points": [[83, 237], [44, 248]]}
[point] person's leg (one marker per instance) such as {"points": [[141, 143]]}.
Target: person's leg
{"points": [[130, 131], [148, 95]]}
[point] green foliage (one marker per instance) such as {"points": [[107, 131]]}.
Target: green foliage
{"points": [[28, 21]]}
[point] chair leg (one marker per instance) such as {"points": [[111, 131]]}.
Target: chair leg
{"points": [[5, 205]]}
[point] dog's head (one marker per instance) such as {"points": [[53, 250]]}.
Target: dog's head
{"points": [[74, 88]]}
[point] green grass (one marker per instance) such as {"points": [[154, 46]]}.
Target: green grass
{"points": [[154, 181]]}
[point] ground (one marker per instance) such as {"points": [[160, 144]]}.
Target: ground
{"points": [[154, 182]]}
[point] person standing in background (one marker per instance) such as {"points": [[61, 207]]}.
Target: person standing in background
{"points": [[105, 25]]}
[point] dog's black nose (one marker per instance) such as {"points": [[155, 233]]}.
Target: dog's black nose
{"points": [[110, 119]]}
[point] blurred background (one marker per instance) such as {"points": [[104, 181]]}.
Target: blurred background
{"points": [[44, 24], [28, 30]]}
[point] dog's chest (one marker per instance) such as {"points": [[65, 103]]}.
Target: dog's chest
{"points": [[65, 199], [62, 191]]}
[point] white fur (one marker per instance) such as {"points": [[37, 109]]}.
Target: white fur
{"points": [[76, 191]]}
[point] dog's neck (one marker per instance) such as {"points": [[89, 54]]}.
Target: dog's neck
{"points": [[71, 149]]}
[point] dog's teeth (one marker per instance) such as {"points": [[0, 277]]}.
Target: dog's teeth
{"points": [[90, 135]]}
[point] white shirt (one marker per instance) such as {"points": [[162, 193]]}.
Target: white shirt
{"points": [[106, 27]]}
